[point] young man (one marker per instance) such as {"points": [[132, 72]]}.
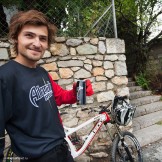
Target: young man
{"points": [[28, 96]]}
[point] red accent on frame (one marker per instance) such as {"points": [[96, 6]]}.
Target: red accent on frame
{"points": [[107, 117]]}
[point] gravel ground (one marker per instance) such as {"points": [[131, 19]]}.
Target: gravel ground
{"points": [[153, 152]]}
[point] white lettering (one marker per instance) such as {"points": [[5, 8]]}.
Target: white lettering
{"points": [[36, 93]]}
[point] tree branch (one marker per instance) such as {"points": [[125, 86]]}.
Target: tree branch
{"points": [[152, 41], [152, 20]]}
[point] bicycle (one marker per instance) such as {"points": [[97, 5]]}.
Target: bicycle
{"points": [[125, 146]]}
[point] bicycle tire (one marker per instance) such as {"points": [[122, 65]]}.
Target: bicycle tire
{"points": [[119, 153], [11, 157]]}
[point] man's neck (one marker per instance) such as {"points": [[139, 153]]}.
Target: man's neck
{"points": [[25, 62]]}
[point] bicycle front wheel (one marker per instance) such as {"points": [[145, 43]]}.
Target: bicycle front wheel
{"points": [[126, 149]]}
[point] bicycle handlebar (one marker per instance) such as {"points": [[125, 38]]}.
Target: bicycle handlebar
{"points": [[121, 97]]}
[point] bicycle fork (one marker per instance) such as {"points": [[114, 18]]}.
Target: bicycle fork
{"points": [[126, 149], [124, 144]]}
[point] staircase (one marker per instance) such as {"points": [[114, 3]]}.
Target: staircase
{"points": [[147, 122]]}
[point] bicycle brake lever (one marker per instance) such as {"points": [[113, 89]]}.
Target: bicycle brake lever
{"points": [[104, 109], [92, 110]]}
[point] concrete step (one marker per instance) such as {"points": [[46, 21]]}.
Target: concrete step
{"points": [[131, 83], [149, 135], [135, 88], [145, 100], [130, 79], [146, 120], [138, 94], [148, 108]]}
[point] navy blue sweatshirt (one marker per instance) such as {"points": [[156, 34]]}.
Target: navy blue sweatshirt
{"points": [[28, 110]]}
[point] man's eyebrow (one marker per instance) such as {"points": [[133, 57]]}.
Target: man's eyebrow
{"points": [[28, 32], [43, 36]]}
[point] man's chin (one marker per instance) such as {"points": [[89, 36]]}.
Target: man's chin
{"points": [[36, 57]]}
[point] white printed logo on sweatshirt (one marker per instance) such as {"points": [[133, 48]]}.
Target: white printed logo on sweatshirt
{"points": [[36, 93]]}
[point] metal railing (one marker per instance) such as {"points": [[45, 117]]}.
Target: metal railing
{"points": [[73, 18]]}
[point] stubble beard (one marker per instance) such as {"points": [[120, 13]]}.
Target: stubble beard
{"points": [[32, 58]]}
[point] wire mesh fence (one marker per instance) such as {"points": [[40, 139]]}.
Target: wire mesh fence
{"points": [[73, 18]]}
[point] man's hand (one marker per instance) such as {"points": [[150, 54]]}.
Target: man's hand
{"points": [[89, 89]]}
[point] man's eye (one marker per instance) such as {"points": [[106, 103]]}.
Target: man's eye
{"points": [[43, 39], [29, 35]]}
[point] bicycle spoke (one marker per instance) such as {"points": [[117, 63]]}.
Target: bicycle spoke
{"points": [[132, 150], [128, 150]]}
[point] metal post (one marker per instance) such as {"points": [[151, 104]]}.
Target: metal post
{"points": [[114, 19]]}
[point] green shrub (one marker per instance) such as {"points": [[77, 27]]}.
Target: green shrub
{"points": [[156, 83], [142, 80]]}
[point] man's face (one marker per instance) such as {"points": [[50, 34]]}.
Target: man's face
{"points": [[32, 42]]}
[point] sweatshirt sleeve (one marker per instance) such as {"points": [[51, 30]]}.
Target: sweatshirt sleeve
{"points": [[61, 95], [2, 124]]}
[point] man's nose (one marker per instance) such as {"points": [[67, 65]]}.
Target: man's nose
{"points": [[37, 42]]}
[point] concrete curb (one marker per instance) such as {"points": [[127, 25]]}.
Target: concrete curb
{"points": [[148, 108], [145, 100], [149, 135], [146, 120]]}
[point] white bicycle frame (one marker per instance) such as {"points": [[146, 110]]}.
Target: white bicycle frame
{"points": [[104, 117]]}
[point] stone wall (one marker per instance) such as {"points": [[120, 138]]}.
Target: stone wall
{"points": [[155, 57], [99, 59]]}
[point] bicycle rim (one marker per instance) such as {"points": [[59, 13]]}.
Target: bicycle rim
{"points": [[119, 153]]}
